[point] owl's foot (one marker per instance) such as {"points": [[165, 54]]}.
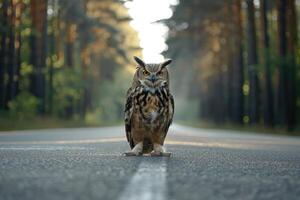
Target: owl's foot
{"points": [[136, 151], [159, 150]]}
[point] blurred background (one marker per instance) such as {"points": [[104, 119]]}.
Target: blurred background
{"points": [[66, 63]]}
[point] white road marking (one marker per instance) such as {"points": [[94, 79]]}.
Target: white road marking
{"points": [[149, 182]]}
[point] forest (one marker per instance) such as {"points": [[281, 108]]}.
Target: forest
{"points": [[65, 59], [234, 62], [237, 62]]}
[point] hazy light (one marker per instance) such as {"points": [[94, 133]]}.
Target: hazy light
{"points": [[152, 35], [50, 11]]}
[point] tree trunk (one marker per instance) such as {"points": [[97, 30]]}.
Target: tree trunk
{"points": [[252, 64], [282, 48], [229, 61], [4, 24], [51, 73], [18, 44], [238, 66], [85, 61], [69, 60], [38, 49], [11, 55], [70, 39], [291, 63], [84, 65], [268, 103]]}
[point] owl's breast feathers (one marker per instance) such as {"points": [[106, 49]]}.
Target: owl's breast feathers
{"points": [[152, 106]]}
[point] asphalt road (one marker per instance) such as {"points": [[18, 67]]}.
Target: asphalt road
{"points": [[86, 163]]}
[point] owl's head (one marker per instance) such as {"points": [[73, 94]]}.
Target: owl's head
{"points": [[152, 76]]}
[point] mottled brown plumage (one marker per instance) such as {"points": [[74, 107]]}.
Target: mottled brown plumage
{"points": [[149, 109]]}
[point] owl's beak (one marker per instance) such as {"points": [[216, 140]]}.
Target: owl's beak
{"points": [[153, 78]]}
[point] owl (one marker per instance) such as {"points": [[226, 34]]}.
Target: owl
{"points": [[149, 109]]}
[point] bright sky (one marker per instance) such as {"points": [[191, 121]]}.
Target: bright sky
{"points": [[152, 35]]}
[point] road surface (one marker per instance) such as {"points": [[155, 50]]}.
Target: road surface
{"points": [[86, 163]]}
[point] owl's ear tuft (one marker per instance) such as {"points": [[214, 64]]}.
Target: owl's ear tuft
{"points": [[139, 61], [165, 63]]}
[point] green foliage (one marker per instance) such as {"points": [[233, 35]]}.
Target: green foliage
{"points": [[23, 106], [69, 61], [111, 98], [25, 72], [68, 85]]}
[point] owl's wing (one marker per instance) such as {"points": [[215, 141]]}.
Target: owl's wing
{"points": [[171, 113], [128, 115]]}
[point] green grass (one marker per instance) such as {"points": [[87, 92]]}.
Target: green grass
{"points": [[9, 123], [245, 128]]}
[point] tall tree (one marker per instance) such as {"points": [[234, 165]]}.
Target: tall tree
{"points": [[18, 44], [4, 30], [238, 65], [252, 61], [38, 11], [229, 58], [291, 35], [12, 55], [268, 103], [85, 61], [282, 90], [54, 24], [70, 28]]}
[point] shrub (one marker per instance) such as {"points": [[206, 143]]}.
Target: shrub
{"points": [[23, 106]]}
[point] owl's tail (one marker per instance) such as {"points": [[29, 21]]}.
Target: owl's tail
{"points": [[147, 145]]}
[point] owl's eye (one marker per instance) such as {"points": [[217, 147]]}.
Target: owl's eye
{"points": [[159, 73], [146, 73]]}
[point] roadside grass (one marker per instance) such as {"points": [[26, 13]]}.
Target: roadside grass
{"points": [[246, 128], [10, 123]]}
